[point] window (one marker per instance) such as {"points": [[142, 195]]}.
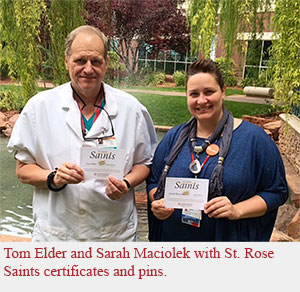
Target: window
{"points": [[257, 58]]}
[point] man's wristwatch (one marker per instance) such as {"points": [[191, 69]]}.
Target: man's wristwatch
{"points": [[127, 183], [50, 182]]}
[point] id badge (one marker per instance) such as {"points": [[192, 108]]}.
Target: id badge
{"points": [[191, 217], [110, 142]]}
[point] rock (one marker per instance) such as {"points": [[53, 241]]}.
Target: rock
{"points": [[294, 226], [10, 124], [269, 133], [285, 215], [295, 199], [3, 121], [278, 236], [255, 120], [273, 127]]}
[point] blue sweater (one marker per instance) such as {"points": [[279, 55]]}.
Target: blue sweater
{"points": [[253, 166]]}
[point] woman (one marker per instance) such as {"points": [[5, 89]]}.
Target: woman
{"points": [[246, 175]]}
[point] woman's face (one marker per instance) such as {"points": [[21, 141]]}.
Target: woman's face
{"points": [[205, 97]]}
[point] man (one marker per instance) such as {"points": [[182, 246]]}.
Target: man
{"points": [[54, 129]]}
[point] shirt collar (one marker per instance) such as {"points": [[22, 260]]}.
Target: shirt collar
{"points": [[110, 102]]}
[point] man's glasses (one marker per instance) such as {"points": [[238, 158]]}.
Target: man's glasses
{"points": [[101, 138], [98, 111]]}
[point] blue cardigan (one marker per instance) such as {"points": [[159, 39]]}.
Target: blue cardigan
{"points": [[253, 166]]}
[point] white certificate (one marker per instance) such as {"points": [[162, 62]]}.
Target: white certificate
{"points": [[186, 193], [100, 163]]}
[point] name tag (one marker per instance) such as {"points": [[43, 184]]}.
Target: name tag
{"points": [[100, 163], [191, 217], [186, 193]]}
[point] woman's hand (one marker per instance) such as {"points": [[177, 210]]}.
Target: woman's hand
{"points": [[160, 211], [221, 207], [116, 189]]}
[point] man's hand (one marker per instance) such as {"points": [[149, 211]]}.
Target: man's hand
{"points": [[116, 189], [68, 173]]}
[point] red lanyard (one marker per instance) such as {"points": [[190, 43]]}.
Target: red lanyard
{"points": [[204, 162], [97, 112]]}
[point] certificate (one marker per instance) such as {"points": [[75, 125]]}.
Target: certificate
{"points": [[186, 193], [100, 163]]}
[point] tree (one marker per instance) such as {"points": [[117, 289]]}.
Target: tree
{"points": [[63, 16], [20, 32], [131, 24], [23, 22], [286, 53], [238, 16]]}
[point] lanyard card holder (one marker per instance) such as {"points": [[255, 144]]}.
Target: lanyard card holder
{"points": [[191, 217]]}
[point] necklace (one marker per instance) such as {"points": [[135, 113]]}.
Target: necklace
{"points": [[211, 150]]}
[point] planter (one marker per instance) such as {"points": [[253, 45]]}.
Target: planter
{"points": [[258, 91]]}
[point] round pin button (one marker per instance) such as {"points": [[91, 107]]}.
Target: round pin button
{"points": [[212, 150]]}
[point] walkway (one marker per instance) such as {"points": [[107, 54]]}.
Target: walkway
{"points": [[239, 98]]}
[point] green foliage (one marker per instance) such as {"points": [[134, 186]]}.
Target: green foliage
{"points": [[263, 80], [4, 70], [158, 78], [239, 16], [20, 28], [228, 71], [179, 78], [11, 100], [149, 77], [114, 62], [286, 52], [116, 70], [202, 19], [64, 16]]}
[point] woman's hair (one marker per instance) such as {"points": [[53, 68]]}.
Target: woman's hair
{"points": [[88, 29], [206, 66]]}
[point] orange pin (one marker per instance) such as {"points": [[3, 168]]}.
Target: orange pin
{"points": [[212, 150]]}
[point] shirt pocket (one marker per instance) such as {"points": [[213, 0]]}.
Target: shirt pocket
{"points": [[50, 233], [125, 231]]}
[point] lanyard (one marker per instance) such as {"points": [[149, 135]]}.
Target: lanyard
{"points": [[211, 150], [204, 162], [97, 112]]}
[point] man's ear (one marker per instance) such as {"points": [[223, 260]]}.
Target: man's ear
{"points": [[107, 61], [67, 62]]}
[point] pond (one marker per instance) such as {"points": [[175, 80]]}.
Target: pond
{"points": [[15, 198]]}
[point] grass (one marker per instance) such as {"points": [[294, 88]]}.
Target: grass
{"points": [[172, 110], [153, 88], [168, 110], [229, 91]]}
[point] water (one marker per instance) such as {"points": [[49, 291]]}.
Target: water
{"points": [[15, 198]]}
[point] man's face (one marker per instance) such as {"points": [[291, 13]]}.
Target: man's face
{"points": [[87, 65]]}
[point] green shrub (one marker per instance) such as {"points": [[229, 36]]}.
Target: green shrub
{"points": [[116, 71], [159, 78], [4, 70], [11, 100], [152, 78], [263, 80], [179, 78]]}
